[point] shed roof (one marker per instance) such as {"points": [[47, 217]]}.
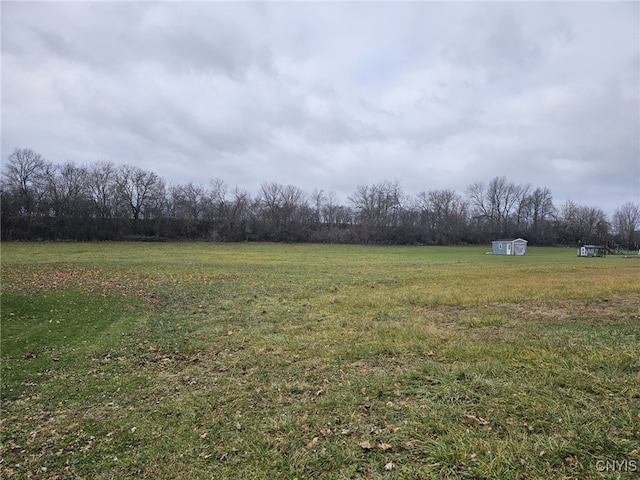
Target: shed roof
{"points": [[511, 240]]}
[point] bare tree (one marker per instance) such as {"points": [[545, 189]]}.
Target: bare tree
{"points": [[23, 176], [582, 224], [541, 205], [330, 209], [102, 189], [270, 198], [504, 196], [216, 201], [229, 212], [283, 211], [494, 203], [239, 215], [476, 192], [140, 190], [318, 199], [444, 214], [626, 222], [66, 189], [522, 206], [187, 201], [378, 205]]}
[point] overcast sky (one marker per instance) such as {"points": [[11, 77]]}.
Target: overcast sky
{"points": [[333, 95]]}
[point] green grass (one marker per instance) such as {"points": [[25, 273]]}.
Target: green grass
{"points": [[125, 360]]}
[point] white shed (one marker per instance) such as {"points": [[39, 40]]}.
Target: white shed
{"points": [[509, 246]]}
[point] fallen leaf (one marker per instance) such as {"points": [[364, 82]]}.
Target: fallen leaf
{"points": [[389, 466], [474, 419], [392, 428], [384, 446], [365, 445], [571, 461], [312, 443], [325, 431]]}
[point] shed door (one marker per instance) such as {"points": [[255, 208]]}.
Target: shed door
{"points": [[509, 248]]}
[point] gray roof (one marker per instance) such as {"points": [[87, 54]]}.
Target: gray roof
{"points": [[510, 240]]}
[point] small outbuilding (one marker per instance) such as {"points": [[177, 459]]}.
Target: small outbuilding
{"points": [[592, 251], [509, 246]]}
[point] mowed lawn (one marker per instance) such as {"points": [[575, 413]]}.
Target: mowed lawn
{"points": [[268, 361]]}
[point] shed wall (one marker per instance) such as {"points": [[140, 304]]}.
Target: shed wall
{"points": [[499, 248]]}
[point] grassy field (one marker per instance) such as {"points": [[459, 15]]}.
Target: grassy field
{"points": [[198, 361]]}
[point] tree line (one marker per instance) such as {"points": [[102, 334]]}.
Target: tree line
{"points": [[41, 200]]}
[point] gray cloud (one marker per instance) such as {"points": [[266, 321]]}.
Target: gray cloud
{"points": [[333, 95]]}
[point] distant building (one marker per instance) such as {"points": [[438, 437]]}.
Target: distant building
{"points": [[509, 246], [592, 251]]}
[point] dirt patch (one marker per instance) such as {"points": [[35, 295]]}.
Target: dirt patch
{"points": [[624, 307], [90, 280], [620, 307]]}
